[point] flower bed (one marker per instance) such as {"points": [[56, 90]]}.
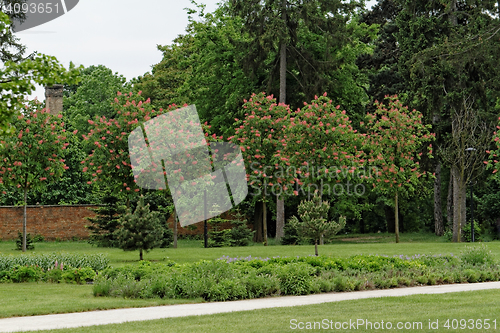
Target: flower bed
{"points": [[71, 268], [243, 278]]}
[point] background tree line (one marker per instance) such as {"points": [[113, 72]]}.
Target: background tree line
{"points": [[439, 57]]}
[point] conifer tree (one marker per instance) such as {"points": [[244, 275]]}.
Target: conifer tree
{"points": [[141, 230], [106, 222], [314, 216]]}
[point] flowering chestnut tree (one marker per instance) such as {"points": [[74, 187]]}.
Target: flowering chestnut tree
{"points": [[260, 135], [32, 156], [394, 136], [109, 160], [322, 147]]}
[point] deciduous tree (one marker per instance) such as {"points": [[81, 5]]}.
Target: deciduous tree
{"points": [[32, 157], [393, 142]]}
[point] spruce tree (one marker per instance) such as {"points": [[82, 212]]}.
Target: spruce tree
{"points": [[140, 230], [105, 223]]}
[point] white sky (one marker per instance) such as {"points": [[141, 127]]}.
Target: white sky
{"points": [[119, 34]]}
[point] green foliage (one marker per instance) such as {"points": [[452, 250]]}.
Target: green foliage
{"points": [[29, 242], [314, 220], [293, 233], [467, 232], [233, 278], [32, 158], [394, 136], [18, 74], [477, 255], [97, 262], [106, 222], [140, 230], [240, 234], [218, 237], [93, 96], [66, 274]]}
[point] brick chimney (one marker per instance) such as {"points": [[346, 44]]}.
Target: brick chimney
{"points": [[54, 98]]}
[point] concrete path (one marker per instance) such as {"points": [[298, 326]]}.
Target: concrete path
{"points": [[117, 316]]}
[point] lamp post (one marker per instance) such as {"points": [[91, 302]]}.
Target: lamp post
{"points": [[471, 201]]}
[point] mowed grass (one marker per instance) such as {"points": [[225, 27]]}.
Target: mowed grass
{"points": [[45, 298], [192, 250], [29, 299], [414, 311]]}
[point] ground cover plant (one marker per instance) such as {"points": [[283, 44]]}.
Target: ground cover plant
{"points": [[232, 278]]}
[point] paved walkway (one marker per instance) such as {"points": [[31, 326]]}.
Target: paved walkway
{"points": [[117, 316]]}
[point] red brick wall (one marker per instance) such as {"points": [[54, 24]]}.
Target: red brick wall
{"points": [[63, 222]]}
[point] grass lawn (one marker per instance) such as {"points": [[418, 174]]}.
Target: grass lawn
{"points": [[408, 310], [28, 299], [191, 250], [44, 298]]}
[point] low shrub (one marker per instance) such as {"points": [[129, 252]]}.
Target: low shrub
{"points": [[97, 262], [477, 255], [55, 274], [29, 242], [240, 278]]}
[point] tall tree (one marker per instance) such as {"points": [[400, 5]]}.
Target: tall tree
{"points": [[18, 74], [394, 136], [93, 96], [260, 135], [307, 42], [447, 59]]}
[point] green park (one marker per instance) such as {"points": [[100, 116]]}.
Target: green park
{"points": [[369, 139]]}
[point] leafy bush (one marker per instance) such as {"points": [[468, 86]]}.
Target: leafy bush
{"points": [[467, 232], [477, 255], [25, 274]]}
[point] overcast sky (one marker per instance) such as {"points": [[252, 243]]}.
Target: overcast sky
{"points": [[119, 34]]}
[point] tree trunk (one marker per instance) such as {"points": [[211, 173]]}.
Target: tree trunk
{"points": [[280, 219], [449, 202], [264, 222], [175, 228], [280, 203], [24, 217], [438, 212], [389, 217], [140, 254], [396, 217], [458, 204], [316, 247], [257, 222]]}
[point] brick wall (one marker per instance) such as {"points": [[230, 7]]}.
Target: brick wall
{"points": [[63, 222], [66, 221]]}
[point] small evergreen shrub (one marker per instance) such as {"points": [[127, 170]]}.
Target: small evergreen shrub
{"points": [[293, 235], [106, 222], [29, 242]]}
